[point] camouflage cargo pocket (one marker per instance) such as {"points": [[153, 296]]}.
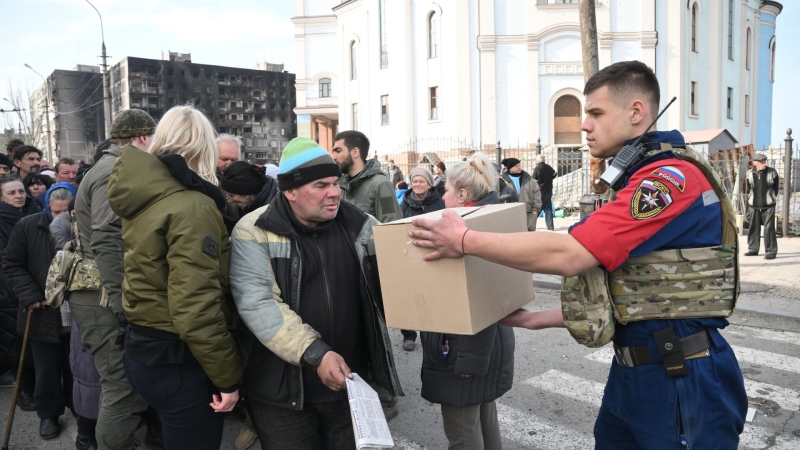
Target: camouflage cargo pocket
{"points": [[586, 308]]}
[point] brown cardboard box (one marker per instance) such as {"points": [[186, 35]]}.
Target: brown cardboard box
{"points": [[459, 296]]}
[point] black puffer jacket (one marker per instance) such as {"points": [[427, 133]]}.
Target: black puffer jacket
{"points": [[28, 255], [487, 356], [9, 347], [412, 207]]}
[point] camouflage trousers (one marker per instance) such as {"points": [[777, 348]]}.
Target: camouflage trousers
{"points": [[120, 404]]}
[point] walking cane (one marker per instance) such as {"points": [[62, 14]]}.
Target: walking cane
{"points": [[16, 385]]}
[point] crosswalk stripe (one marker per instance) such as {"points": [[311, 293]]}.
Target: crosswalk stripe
{"points": [[786, 337], [755, 437], [524, 428], [569, 385], [405, 444], [788, 399]]}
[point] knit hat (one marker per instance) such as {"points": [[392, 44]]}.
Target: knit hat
{"points": [[132, 123], [304, 161], [421, 172], [510, 162], [759, 157], [6, 161]]}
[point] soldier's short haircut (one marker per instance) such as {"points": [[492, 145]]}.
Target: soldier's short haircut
{"points": [[625, 81], [64, 161], [353, 139]]}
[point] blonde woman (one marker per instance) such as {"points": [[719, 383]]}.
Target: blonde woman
{"points": [[466, 374], [179, 353]]}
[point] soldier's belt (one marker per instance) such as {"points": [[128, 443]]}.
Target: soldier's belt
{"points": [[694, 346]]}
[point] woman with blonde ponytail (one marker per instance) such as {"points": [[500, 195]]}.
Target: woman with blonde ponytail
{"points": [[179, 353], [466, 374]]}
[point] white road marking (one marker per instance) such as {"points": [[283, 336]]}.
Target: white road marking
{"points": [[569, 386], [785, 337], [526, 429], [767, 359], [788, 399]]}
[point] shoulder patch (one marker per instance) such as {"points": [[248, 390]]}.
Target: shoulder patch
{"points": [[672, 175], [211, 246], [650, 199]]}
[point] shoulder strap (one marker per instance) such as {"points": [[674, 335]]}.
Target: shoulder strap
{"points": [[73, 226]]}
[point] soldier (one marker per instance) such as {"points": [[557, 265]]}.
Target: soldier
{"points": [[664, 251], [101, 319]]}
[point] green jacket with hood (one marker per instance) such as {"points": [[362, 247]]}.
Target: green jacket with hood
{"points": [[372, 192], [177, 256]]}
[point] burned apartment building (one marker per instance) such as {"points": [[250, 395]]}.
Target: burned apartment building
{"points": [[255, 104], [76, 119]]}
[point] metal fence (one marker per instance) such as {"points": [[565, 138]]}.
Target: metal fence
{"points": [[572, 165]]}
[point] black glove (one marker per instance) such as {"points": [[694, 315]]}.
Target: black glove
{"points": [[122, 323]]}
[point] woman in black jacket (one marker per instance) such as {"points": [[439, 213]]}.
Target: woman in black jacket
{"points": [[466, 374], [25, 264], [421, 197], [14, 205], [248, 188]]}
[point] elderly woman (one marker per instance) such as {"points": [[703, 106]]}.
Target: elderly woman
{"points": [[27, 259], [14, 205], [421, 198], [466, 374], [179, 351]]}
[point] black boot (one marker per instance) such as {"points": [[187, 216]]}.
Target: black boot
{"points": [[154, 436], [49, 428], [25, 400], [86, 439]]}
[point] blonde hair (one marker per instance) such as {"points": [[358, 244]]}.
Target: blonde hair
{"points": [[185, 131], [477, 176]]}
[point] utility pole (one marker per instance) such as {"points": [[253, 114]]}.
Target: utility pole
{"points": [[47, 120], [106, 81], [591, 65], [787, 182]]}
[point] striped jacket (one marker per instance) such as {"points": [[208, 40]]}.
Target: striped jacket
{"points": [[265, 279]]}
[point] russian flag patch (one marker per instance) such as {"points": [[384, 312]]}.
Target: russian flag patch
{"points": [[673, 175]]}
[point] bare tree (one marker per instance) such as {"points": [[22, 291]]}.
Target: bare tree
{"points": [[29, 124]]}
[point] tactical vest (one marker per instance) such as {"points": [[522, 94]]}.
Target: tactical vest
{"points": [[664, 284]]}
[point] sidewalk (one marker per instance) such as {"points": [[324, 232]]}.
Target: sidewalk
{"points": [[770, 287]]}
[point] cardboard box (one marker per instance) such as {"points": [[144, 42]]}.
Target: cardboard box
{"points": [[459, 296]]}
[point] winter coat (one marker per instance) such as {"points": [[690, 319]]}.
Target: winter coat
{"points": [[544, 174], [395, 176], [9, 339], [25, 264], [400, 193], [439, 181], [487, 356], [177, 255], [265, 281], [372, 193], [529, 193], [100, 228], [412, 207], [773, 184]]}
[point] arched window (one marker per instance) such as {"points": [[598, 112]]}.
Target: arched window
{"points": [[353, 61], [772, 60], [749, 49], [694, 27], [567, 115], [433, 35], [325, 87]]}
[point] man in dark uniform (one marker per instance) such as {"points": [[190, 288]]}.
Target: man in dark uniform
{"points": [[675, 382]]}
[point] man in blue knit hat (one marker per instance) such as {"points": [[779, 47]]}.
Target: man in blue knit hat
{"points": [[315, 315]]}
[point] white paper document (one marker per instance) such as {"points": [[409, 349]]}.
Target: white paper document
{"points": [[369, 424]]}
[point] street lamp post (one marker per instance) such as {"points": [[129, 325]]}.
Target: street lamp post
{"points": [[787, 182], [106, 83], [47, 100]]}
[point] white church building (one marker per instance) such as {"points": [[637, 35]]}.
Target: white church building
{"points": [[511, 71]]}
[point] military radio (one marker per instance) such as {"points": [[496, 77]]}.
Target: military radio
{"points": [[630, 154]]}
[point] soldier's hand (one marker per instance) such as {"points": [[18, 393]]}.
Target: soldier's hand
{"points": [[122, 330], [332, 370], [522, 318], [445, 235]]}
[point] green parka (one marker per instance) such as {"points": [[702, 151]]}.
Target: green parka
{"points": [[372, 193], [177, 255]]}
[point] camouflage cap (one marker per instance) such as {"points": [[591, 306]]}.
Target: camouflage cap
{"points": [[132, 123]]}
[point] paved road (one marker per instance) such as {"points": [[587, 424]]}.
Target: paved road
{"points": [[557, 391]]}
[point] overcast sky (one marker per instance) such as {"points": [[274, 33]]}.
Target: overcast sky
{"points": [[58, 34]]}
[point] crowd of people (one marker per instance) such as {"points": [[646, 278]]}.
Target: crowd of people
{"points": [[209, 285]]}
